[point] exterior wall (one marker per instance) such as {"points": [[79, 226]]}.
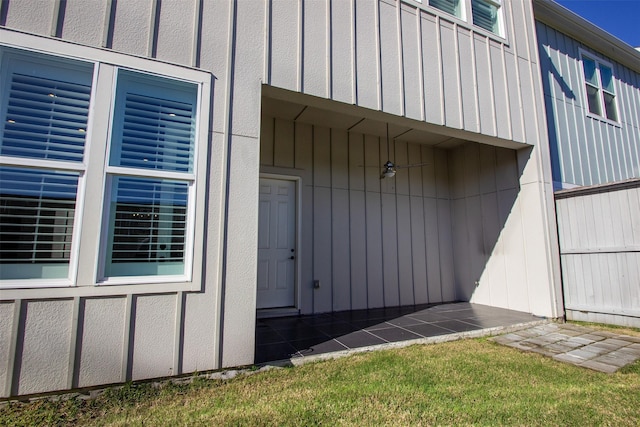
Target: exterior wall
{"points": [[370, 242], [600, 249], [403, 59], [586, 150]]}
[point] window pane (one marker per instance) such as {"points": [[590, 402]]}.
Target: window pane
{"points": [[589, 67], [607, 78], [449, 6], [147, 230], [36, 222], [485, 15], [154, 125], [593, 98], [46, 118], [610, 107]]}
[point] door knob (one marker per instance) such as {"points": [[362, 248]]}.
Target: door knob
{"points": [[292, 257]]}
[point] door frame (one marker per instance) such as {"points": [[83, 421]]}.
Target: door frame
{"points": [[297, 275]]}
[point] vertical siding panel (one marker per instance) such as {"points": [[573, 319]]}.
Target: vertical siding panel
{"points": [[131, 30], [404, 236], [485, 91], [304, 161], [339, 159], [468, 81], [461, 259], [214, 55], [283, 36], [418, 251], [322, 249], [315, 60], [375, 276], [321, 157], [356, 161], [341, 51], [372, 163], [367, 87], [6, 355], [390, 250], [25, 17], [154, 334], [283, 144], [176, 31], [199, 344], [432, 69], [502, 109], [434, 250], [515, 100], [102, 348], [340, 250], [451, 76], [84, 21], [428, 172], [411, 63], [400, 154], [267, 141], [358, 245], [447, 279], [415, 173], [518, 16], [44, 359], [390, 58]]}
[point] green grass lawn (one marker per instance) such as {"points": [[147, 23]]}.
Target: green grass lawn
{"points": [[464, 382]]}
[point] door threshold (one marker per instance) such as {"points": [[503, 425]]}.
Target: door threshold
{"points": [[265, 313]]}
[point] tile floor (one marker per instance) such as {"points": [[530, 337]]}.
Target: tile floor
{"points": [[303, 336]]}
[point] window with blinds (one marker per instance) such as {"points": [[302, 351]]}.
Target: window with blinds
{"points": [[154, 130], [44, 111], [450, 6], [486, 14]]}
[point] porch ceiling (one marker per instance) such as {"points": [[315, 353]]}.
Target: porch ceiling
{"points": [[313, 110]]}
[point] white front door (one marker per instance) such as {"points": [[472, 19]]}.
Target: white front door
{"points": [[276, 243]]}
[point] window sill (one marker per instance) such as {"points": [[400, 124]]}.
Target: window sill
{"points": [[603, 120], [52, 292]]}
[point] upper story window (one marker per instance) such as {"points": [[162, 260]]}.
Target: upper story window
{"points": [[131, 137], [450, 6], [599, 88], [486, 14]]}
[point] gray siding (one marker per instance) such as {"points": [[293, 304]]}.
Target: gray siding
{"points": [[394, 57], [600, 248], [585, 150]]}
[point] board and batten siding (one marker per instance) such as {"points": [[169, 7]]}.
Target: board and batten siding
{"points": [[586, 150], [401, 58], [432, 234], [599, 230]]}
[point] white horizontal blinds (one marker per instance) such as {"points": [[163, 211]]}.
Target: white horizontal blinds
{"points": [[46, 118], [36, 222], [44, 110], [485, 14], [449, 6], [155, 123], [592, 85], [153, 129], [149, 227], [608, 92]]}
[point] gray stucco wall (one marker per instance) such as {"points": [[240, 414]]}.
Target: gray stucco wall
{"points": [[401, 58]]}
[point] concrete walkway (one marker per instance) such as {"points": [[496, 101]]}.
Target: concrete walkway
{"points": [[579, 345]]}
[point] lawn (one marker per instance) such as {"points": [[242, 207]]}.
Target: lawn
{"points": [[464, 382]]}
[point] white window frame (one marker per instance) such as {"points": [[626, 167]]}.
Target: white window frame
{"points": [[466, 17], [87, 254], [585, 96]]}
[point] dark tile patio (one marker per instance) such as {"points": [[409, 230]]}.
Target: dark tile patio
{"points": [[293, 338]]}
